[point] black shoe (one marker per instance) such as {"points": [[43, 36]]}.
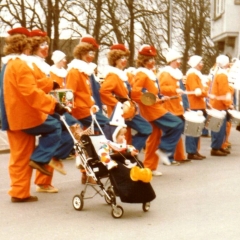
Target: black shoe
{"points": [[28, 199], [40, 167], [194, 156]]}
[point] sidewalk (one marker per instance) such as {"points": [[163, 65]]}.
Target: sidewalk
{"points": [[4, 146]]}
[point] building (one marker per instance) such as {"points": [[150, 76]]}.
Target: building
{"points": [[225, 26]]}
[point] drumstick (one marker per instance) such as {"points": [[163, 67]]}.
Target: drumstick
{"points": [[149, 98], [211, 96], [222, 97], [189, 92], [169, 98]]}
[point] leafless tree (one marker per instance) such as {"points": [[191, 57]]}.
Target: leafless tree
{"points": [[186, 24], [193, 25]]}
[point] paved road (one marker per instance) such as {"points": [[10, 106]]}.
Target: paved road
{"points": [[195, 201], [4, 147]]}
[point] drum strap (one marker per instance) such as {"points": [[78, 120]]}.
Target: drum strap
{"points": [[129, 88], [3, 116], [210, 89], [159, 93], [123, 99]]}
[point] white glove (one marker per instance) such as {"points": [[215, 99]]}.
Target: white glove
{"points": [[228, 96], [179, 91], [198, 91]]}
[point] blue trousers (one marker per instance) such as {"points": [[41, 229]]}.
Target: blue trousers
{"points": [[143, 128], [101, 119], [172, 128], [205, 132], [53, 141], [219, 137], [70, 119], [191, 144]]}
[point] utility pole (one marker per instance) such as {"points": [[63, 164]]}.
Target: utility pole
{"points": [[170, 24]]}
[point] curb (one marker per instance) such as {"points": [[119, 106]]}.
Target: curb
{"points": [[4, 151]]}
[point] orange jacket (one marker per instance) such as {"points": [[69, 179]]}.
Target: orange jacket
{"points": [[79, 82], [112, 85], [220, 87], [193, 81], [131, 78], [58, 75], [168, 87], [43, 82], [57, 79], [26, 105], [143, 81]]}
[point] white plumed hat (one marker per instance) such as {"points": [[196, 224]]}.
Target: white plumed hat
{"points": [[222, 60], [57, 56], [172, 55], [194, 60]]}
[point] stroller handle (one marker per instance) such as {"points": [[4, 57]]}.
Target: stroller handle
{"points": [[93, 110]]}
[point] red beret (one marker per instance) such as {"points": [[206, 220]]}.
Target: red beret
{"points": [[147, 50], [38, 33], [19, 30], [89, 39], [118, 47]]}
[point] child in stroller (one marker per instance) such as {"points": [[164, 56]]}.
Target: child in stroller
{"points": [[129, 188], [119, 145]]}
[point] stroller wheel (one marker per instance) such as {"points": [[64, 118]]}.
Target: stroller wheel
{"points": [[111, 195], [146, 206], [77, 202], [117, 211]]}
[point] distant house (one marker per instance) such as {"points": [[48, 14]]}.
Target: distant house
{"points": [[225, 26]]}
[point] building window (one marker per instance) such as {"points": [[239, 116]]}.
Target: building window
{"points": [[219, 8]]}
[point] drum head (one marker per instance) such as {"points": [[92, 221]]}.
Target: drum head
{"points": [[129, 110], [69, 95], [148, 99]]}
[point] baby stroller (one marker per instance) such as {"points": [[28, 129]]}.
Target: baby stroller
{"points": [[109, 183]]}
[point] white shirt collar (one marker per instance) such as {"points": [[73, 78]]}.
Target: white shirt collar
{"points": [[81, 65], [148, 72]]}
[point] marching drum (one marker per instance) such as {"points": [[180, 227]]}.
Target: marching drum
{"points": [[64, 96], [214, 119], [129, 110], [194, 123], [235, 116]]}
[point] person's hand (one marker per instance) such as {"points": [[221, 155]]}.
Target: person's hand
{"points": [[179, 91], [55, 85], [198, 92], [134, 152], [163, 99], [60, 109], [211, 96]]}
